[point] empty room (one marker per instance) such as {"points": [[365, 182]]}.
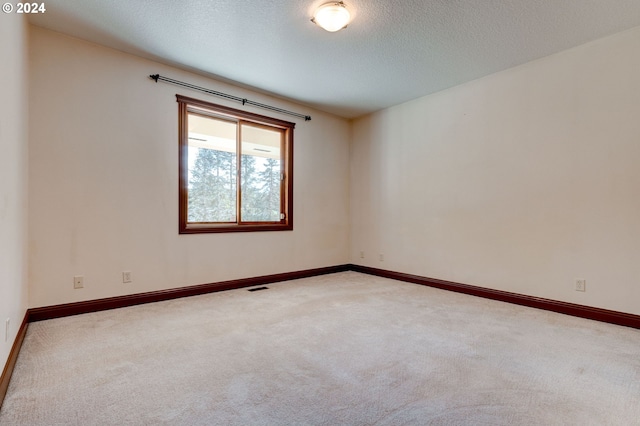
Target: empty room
{"points": [[320, 213]]}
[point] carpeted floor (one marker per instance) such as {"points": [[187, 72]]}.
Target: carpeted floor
{"points": [[341, 349]]}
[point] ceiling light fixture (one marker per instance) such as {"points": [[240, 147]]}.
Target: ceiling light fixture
{"points": [[332, 16]]}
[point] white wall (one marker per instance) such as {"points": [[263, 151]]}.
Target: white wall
{"points": [[13, 177], [104, 181], [521, 181]]}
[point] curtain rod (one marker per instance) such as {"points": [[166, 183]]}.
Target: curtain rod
{"points": [[244, 101]]}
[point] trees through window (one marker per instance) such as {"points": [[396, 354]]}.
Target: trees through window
{"points": [[235, 170]]}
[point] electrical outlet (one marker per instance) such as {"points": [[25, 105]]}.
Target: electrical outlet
{"points": [[361, 255], [382, 258], [7, 327], [581, 285], [78, 281], [126, 277]]}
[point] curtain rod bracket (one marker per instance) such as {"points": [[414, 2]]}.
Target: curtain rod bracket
{"points": [[155, 77]]}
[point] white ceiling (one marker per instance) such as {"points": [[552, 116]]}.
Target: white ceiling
{"points": [[393, 51]]}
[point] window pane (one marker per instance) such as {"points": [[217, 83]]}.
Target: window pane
{"points": [[212, 170], [235, 170], [261, 169]]}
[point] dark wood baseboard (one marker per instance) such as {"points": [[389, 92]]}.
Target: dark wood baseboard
{"points": [[588, 312], [67, 309], [13, 357], [604, 315]]}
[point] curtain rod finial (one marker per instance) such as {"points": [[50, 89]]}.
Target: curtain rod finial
{"points": [[155, 77]]}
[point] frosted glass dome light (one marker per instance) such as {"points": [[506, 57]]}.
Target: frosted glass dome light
{"points": [[332, 16]]}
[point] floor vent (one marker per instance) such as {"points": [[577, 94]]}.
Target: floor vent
{"points": [[258, 288]]}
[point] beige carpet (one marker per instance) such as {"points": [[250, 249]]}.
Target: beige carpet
{"points": [[342, 349]]}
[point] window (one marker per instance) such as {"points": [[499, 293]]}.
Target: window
{"points": [[236, 170]]}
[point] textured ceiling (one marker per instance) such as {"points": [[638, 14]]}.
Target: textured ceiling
{"points": [[393, 51]]}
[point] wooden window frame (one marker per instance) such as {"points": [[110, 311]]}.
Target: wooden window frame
{"points": [[186, 105]]}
